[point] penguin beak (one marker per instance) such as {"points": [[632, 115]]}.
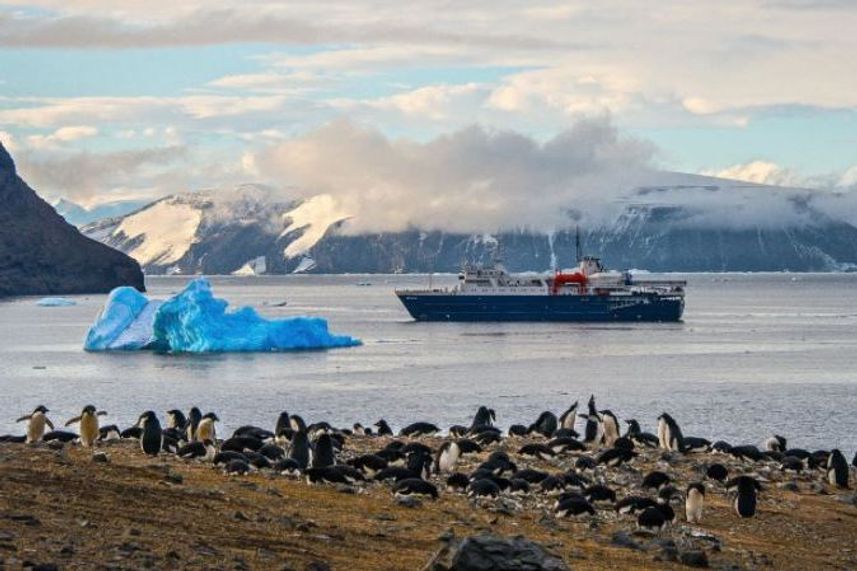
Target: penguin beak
{"points": [[73, 420], [23, 418]]}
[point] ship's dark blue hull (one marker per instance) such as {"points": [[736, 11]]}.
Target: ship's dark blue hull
{"points": [[453, 307]]}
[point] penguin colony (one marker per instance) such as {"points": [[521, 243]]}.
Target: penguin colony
{"points": [[590, 473]]}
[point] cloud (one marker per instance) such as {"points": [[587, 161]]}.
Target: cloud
{"points": [[62, 135], [760, 172], [473, 179]]}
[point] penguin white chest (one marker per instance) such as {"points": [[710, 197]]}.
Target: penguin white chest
{"points": [[36, 427], [88, 430], [205, 430], [693, 506]]}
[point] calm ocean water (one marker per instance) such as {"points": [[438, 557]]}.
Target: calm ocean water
{"points": [[756, 354]]}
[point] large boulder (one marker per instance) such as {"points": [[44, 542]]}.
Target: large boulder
{"points": [[494, 553], [41, 254]]}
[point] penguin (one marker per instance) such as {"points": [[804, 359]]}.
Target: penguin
{"points": [[457, 482], [176, 419], [254, 432], [88, 420], [322, 452], [634, 504], [747, 452], [651, 520], [359, 430], [224, 458], [447, 456], [383, 429], [594, 431], [484, 417], [288, 467], [545, 424], [575, 480], [694, 499], [109, 432], [518, 430], [341, 474], [613, 457], [669, 434], [638, 437], [487, 437], [483, 488], [467, 446], [717, 472], [568, 419], [300, 449], [415, 487], [599, 493], [776, 443], [272, 452], [518, 487], [58, 435], [585, 463], [553, 485], [202, 450], [194, 415], [610, 424], [655, 480], [566, 444], [237, 468], [368, 464], [573, 506], [206, 429], [696, 445], [418, 429], [36, 422], [667, 494], [152, 438], [537, 450], [837, 469], [745, 499], [298, 424]]}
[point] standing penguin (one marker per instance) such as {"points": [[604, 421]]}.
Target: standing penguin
{"points": [[694, 499], [669, 434], [36, 423], [299, 449], [206, 429], [88, 420], [484, 417], [447, 457], [283, 423], [776, 443], [837, 469], [194, 416], [383, 428], [176, 419], [611, 428], [152, 437], [322, 454], [568, 419], [745, 500], [594, 432]]}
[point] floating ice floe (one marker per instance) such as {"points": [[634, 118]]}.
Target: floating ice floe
{"points": [[194, 321], [55, 302]]}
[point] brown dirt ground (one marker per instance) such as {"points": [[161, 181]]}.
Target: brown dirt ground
{"points": [[60, 507]]}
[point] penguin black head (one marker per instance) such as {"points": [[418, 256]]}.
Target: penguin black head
{"points": [[698, 486], [41, 408], [383, 428], [298, 423], [211, 416], [177, 419]]}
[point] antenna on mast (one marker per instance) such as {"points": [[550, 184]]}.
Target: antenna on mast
{"points": [[577, 243]]}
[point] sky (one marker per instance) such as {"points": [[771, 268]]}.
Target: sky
{"points": [[103, 101]]}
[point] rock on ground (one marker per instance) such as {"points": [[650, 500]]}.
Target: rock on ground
{"points": [[494, 553]]}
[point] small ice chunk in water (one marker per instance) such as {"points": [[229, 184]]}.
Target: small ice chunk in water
{"points": [[56, 302]]}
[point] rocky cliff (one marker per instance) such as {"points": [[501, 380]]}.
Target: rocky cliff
{"points": [[40, 253]]}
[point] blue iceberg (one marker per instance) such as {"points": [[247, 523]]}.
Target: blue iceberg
{"points": [[194, 321], [56, 302]]}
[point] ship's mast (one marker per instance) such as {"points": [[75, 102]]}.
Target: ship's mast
{"points": [[577, 244]]}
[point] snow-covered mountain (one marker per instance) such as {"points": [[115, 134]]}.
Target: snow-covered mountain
{"points": [[77, 215], [243, 231], [672, 222]]}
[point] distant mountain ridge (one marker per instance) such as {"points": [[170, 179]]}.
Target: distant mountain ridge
{"points": [[77, 215], [40, 253], [667, 224]]}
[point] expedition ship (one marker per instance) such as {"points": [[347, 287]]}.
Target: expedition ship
{"points": [[587, 293]]}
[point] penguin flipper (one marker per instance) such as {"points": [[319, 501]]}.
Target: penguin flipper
{"points": [[49, 423], [101, 413], [73, 420], [23, 418]]}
